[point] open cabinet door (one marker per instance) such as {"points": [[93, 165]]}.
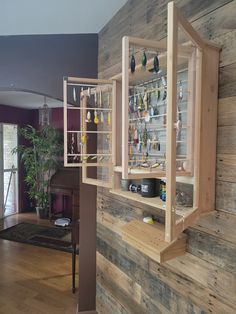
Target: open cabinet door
{"points": [[88, 128]]}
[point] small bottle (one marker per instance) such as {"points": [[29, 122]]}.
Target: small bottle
{"points": [[161, 182], [163, 196]]}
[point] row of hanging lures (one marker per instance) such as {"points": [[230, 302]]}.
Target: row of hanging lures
{"points": [[156, 63], [76, 143], [99, 116], [140, 103], [142, 107], [142, 139]]}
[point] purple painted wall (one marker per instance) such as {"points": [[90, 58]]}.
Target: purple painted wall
{"points": [[39, 62]]}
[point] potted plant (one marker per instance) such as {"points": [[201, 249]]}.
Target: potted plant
{"points": [[41, 157]]}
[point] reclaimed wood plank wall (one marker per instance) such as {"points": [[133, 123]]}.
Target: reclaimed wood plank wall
{"points": [[204, 279]]}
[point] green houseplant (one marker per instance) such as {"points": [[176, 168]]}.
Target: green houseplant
{"points": [[41, 157]]}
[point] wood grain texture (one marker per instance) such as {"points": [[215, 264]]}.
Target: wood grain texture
{"points": [[226, 168], [33, 279], [214, 250], [148, 19], [204, 278], [226, 196], [219, 224], [194, 268], [227, 81], [166, 287], [226, 140], [227, 111]]}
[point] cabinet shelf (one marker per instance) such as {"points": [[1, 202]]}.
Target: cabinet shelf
{"points": [[139, 173], [154, 202], [150, 240]]}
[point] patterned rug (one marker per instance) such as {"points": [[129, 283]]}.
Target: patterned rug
{"points": [[50, 237]]}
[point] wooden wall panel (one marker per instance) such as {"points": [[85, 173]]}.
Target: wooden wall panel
{"points": [[175, 279], [204, 279], [226, 196]]}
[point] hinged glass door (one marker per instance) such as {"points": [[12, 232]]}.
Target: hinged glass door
{"points": [[88, 128]]}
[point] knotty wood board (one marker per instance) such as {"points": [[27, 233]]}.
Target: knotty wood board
{"points": [[205, 275], [116, 280], [226, 196], [107, 303], [226, 140], [172, 290], [210, 23], [212, 249], [226, 168], [221, 282], [219, 224], [227, 81], [206, 280], [227, 111]]}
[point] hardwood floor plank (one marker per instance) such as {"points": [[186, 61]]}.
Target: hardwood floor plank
{"points": [[33, 279]]}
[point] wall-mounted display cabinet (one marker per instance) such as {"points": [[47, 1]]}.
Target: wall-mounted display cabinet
{"points": [[156, 120], [88, 144]]}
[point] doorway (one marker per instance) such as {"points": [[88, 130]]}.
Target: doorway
{"points": [[9, 203]]}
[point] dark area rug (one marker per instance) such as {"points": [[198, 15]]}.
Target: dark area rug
{"points": [[50, 237]]}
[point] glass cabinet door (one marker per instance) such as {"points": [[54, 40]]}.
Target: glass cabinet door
{"points": [[88, 128]]}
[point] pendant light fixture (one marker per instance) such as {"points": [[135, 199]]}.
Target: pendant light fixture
{"points": [[44, 115]]}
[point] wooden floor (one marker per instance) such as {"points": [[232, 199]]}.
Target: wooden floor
{"points": [[33, 279]]}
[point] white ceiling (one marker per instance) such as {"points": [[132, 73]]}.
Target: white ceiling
{"points": [[27, 100], [31, 17]]}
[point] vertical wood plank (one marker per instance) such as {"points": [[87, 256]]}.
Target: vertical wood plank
{"points": [[125, 105], [208, 129], [171, 118], [197, 133], [190, 110]]}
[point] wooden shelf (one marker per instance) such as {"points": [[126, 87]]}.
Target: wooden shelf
{"points": [[151, 201], [150, 240], [155, 202], [134, 173]]}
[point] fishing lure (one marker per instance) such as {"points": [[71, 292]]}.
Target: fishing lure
{"points": [[96, 120], [74, 94], [180, 91], [158, 92], [156, 64], [164, 95], [89, 92], [109, 118], [132, 64], [163, 81], [83, 139], [144, 59], [72, 143], [82, 93], [155, 165], [145, 136], [145, 100], [136, 137], [101, 117], [130, 151], [88, 119]]}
